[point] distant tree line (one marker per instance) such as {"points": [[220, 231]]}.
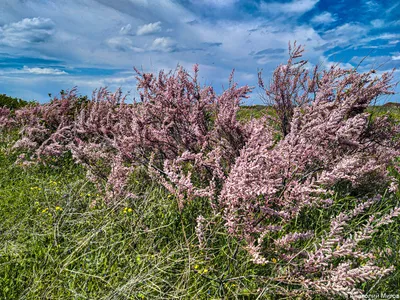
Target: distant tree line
{"points": [[15, 103], [12, 103]]}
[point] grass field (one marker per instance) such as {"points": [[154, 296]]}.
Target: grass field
{"points": [[256, 111], [58, 240]]}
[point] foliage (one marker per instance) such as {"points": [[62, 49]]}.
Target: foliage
{"points": [[292, 86], [7, 106], [300, 188], [11, 102], [59, 240]]}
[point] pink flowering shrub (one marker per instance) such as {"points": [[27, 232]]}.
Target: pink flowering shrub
{"points": [[334, 263], [6, 119], [329, 142], [193, 134], [178, 129], [338, 264], [259, 176], [292, 85], [46, 130], [96, 138]]}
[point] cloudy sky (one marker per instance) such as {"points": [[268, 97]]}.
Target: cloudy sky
{"points": [[49, 45]]}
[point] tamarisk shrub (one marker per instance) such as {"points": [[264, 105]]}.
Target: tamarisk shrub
{"points": [[176, 115], [334, 263], [192, 133], [178, 126], [329, 141], [6, 120], [186, 134], [292, 86], [113, 138], [320, 273], [97, 132], [46, 130]]}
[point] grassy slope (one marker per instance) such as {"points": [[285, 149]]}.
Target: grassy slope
{"points": [[131, 250], [149, 251], [256, 111]]}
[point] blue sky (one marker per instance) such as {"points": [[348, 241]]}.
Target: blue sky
{"points": [[49, 45]]}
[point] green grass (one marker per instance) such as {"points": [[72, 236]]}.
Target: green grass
{"points": [[58, 240], [55, 245], [256, 111], [393, 112]]}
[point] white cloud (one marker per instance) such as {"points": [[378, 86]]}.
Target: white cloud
{"points": [[119, 80], [126, 30], [371, 5], [164, 44], [247, 77], [324, 18], [388, 36], [26, 32], [122, 43], [396, 57], [345, 34], [217, 3], [43, 71], [391, 38], [294, 7], [149, 28], [35, 71], [378, 23], [328, 64]]}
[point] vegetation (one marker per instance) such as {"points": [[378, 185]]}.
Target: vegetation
{"points": [[189, 196], [56, 244], [12, 103]]}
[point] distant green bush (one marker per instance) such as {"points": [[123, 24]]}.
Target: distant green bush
{"points": [[12, 103]]}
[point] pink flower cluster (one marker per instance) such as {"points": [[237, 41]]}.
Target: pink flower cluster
{"points": [[46, 129], [6, 120], [260, 175]]}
